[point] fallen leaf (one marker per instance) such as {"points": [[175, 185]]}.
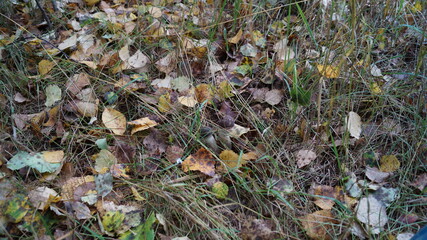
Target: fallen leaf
{"points": [[47, 161], [86, 109], [77, 82], [283, 52], [248, 50], [103, 161], [220, 190], [328, 191], [225, 90], [137, 60], [319, 225], [236, 131], [389, 163], [188, 101], [53, 117], [164, 104], [181, 84], [68, 43], [114, 120], [231, 159], [45, 66], [202, 161], [42, 197], [257, 229], [53, 94], [136, 195], [163, 83], [168, 63], [375, 175], [305, 157], [354, 124], [273, 97], [142, 124], [80, 210], [19, 98], [91, 3], [328, 71], [173, 153], [375, 71], [420, 182], [373, 213], [236, 38], [77, 187], [203, 92]]}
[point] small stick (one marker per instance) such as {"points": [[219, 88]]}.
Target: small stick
{"points": [[49, 23]]}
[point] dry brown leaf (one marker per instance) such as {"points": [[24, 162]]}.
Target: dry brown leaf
{"points": [[203, 92], [305, 157], [71, 185], [114, 120], [318, 225], [42, 197], [86, 109], [53, 156], [202, 161], [168, 63], [420, 182], [273, 97], [53, 116], [142, 124], [77, 83]]}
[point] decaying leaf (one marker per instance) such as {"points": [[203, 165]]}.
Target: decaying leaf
{"points": [[319, 225], [203, 92], [142, 124], [231, 159], [114, 120], [45, 66], [42, 197], [53, 94], [283, 52], [236, 38], [420, 182], [77, 82], [328, 191], [389, 163], [273, 97], [375, 175], [236, 131], [103, 161], [328, 71], [202, 161], [77, 187], [305, 157], [257, 229], [354, 124], [164, 103], [373, 213], [220, 190], [47, 161]]}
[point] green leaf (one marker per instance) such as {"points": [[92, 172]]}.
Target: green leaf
{"points": [[112, 221], [17, 208], [32, 160], [143, 231]]}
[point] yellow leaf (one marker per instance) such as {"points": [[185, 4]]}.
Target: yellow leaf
{"points": [[188, 101], [142, 124], [220, 190], [53, 156], [389, 163], [90, 3], [224, 90], [328, 71], [236, 38], [375, 89], [318, 225], [164, 103], [114, 120], [136, 194], [45, 66], [202, 161], [231, 159]]}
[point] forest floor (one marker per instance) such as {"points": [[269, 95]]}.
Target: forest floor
{"points": [[129, 119]]}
